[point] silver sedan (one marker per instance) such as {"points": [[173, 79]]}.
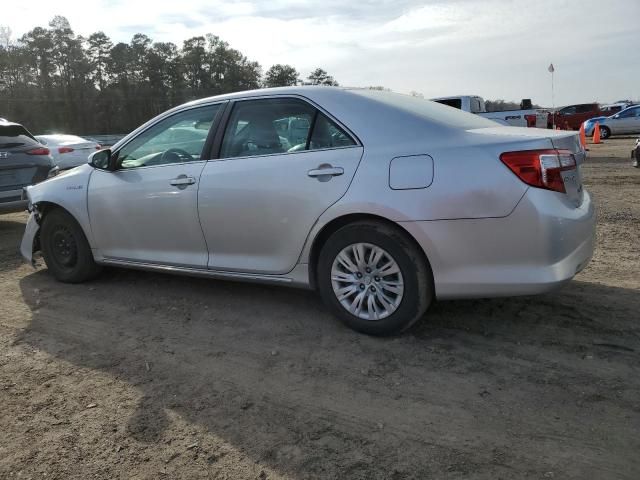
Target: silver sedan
{"points": [[382, 202]]}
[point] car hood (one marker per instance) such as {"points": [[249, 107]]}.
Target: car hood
{"points": [[596, 119]]}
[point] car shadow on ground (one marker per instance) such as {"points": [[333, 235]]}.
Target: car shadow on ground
{"points": [[270, 372]]}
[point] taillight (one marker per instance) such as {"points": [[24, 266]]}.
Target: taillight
{"points": [[98, 147], [531, 120], [38, 151], [540, 168], [65, 150]]}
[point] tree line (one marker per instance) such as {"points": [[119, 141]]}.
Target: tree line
{"points": [[54, 80]]}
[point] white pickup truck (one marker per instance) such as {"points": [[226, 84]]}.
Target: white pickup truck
{"points": [[530, 117]]}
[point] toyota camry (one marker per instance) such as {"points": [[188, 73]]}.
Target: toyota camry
{"points": [[381, 202]]}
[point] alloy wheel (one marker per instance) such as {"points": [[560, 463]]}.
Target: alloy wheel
{"points": [[367, 281]]}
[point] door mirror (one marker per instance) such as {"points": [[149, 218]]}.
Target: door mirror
{"points": [[100, 159]]}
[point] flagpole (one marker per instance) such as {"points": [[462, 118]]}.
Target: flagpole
{"points": [[553, 102], [552, 70]]}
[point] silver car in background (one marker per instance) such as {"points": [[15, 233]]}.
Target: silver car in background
{"points": [[382, 202], [624, 122]]}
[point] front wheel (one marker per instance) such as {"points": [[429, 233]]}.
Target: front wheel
{"points": [[65, 248], [605, 132], [374, 278]]}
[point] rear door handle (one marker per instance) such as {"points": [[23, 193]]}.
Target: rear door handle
{"points": [[182, 181], [326, 171]]}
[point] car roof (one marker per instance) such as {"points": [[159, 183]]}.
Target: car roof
{"points": [[372, 116], [4, 122]]}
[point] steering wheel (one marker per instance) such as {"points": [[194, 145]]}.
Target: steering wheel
{"points": [[175, 155]]}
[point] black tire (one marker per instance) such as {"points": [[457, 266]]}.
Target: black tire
{"points": [[605, 132], [416, 275], [65, 248]]}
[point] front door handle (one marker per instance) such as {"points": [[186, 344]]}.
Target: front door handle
{"points": [[182, 181], [325, 171]]}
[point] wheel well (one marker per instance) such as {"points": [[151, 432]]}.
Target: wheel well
{"points": [[45, 207], [336, 224]]}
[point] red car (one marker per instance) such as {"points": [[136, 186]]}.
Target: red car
{"points": [[572, 116]]}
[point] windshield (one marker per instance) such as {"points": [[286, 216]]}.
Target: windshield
{"points": [[427, 109]]}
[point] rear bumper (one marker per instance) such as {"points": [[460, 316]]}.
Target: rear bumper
{"points": [[542, 245]]}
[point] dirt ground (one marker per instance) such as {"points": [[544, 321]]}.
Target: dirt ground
{"points": [[148, 376]]}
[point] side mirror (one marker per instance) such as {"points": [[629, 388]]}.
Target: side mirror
{"points": [[100, 159]]}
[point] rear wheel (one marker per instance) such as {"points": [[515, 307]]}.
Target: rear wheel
{"points": [[374, 278], [65, 248], [605, 132]]}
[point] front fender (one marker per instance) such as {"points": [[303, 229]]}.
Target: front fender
{"points": [[69, 191]]}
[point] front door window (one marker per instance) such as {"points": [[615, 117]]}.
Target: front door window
{"points": [[179, 138]]}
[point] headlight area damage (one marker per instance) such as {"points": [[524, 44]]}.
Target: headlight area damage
{"points": [[31, 238]]}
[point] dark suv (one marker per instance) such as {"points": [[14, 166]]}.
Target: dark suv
{"points": [[572, 116], [23, 161]]}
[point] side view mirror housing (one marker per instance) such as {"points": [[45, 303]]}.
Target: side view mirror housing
{"points": [[101, 159]]}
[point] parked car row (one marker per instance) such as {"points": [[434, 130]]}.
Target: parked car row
{"points": [[572, 116], [624, 122], [26, 159], [526, 116], [23, 161]]}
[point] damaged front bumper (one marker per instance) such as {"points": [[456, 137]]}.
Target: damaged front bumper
{"points": [[29, 239]]}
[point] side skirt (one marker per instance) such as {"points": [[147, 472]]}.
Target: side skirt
{"points": [[298, 277]]}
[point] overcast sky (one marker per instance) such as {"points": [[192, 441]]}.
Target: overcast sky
{"points": [[492, 48]]}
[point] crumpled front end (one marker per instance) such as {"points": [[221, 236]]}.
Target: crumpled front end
{"points": [[30, 239]]}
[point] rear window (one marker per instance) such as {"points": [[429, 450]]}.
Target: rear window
{"points": [[428, 109], [590, 107], [15, 136], [451, 102]]}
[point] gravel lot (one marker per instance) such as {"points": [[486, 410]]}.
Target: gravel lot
{"points": [[140, 375]]}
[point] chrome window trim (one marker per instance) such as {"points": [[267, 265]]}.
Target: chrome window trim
{"points": [[144, 167], [225, 159]]}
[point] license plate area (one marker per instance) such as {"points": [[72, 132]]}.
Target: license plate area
{"points": [[572, 180]]}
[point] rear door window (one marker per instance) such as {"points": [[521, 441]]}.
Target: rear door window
{"points": [[279, 125], [267, 126]]}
